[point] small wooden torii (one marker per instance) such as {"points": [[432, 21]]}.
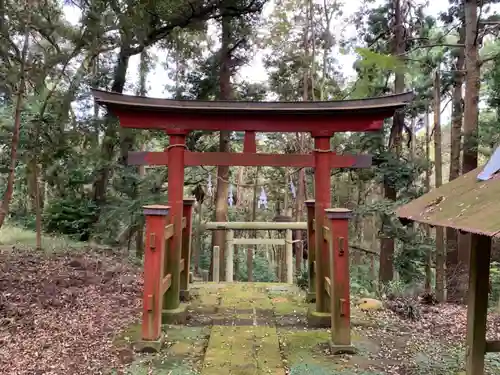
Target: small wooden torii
{"points": [[178, 118]]}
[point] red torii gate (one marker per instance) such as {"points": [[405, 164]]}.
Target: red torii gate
{"points": [[178, 117]]}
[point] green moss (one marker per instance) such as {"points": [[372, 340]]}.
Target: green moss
{"points": [[128, 335], [182, 355], [312, 348], [241, 350], [245, 296]]}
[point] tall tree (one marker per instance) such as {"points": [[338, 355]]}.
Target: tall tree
{"points": [[20, 91], [395, 142], [438, 175]]}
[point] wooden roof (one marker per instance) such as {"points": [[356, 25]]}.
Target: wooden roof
{"points": [[465, 203], [369, 105]]}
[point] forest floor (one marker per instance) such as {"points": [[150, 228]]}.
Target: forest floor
{"points": [[74, 310]]}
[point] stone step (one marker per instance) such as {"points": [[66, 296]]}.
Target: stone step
{"points": [[243, 350]]}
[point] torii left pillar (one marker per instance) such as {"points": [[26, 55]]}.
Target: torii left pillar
{"points": [[173, 312], [156, 220]]}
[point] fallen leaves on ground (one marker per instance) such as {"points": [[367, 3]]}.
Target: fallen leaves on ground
{"points": [[59, 314], [432, 338]]}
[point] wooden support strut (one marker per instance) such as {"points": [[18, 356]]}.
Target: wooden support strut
{"points": [[229, 256], [477, 306], [311, 248], [187, 231], [339, 273], [156, 220], [173, 257], [250, 159], [322, 195]]}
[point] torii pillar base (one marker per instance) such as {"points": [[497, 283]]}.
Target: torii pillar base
{"points": [[175, 316], [342, 349], [317, 319], [149, 346]]}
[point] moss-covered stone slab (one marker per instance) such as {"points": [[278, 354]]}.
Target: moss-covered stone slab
{"points": [[240, 350], [182, 353], [310, 350]]}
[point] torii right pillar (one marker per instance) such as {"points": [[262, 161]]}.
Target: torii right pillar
{"points": [[328, 305]]}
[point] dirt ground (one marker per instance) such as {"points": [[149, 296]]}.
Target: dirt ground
{"points": [[76, 313], [59, 314]]}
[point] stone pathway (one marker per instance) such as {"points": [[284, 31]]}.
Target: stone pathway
{"points": [[247, 329], [244, 338]]}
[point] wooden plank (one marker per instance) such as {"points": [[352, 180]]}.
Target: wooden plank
{"points": [[357, 121], [181, 264], [187, 234], [249, 159], [477, 307], [229, 256], [311, 247], [169, 231], [289, 256], [166, 282], [216, 264], [259, 241], [492, 346], [255, 225], [328, 285]]}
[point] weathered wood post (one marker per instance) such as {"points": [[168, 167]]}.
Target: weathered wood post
{"points": [[250, 264], [322, 201], [229, 255], [289, 256], [477, 307], [340, 298], [311, 246], [172, 313], [156, 220], [187, 232], [216, 264]]}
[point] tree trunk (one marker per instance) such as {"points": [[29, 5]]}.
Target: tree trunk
{"points": [[38, 208], [386, 272], [440, 256], [471, 117], [9, 190], [472, 85], [427, 228], [110, 134], [218, 238], [142, 91], [453, 268], [253, 249]]}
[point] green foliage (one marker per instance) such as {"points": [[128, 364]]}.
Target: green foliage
{"points": [[303, 279], [361, 285], [384, 62], [70, 216], [495, 282]]}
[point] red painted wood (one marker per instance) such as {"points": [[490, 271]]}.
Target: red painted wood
{"points": [[153, 273], [322, 201], [341, 319], [187, 212], [351, 121], [249, 159], [176, 151], [249, 144]]}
